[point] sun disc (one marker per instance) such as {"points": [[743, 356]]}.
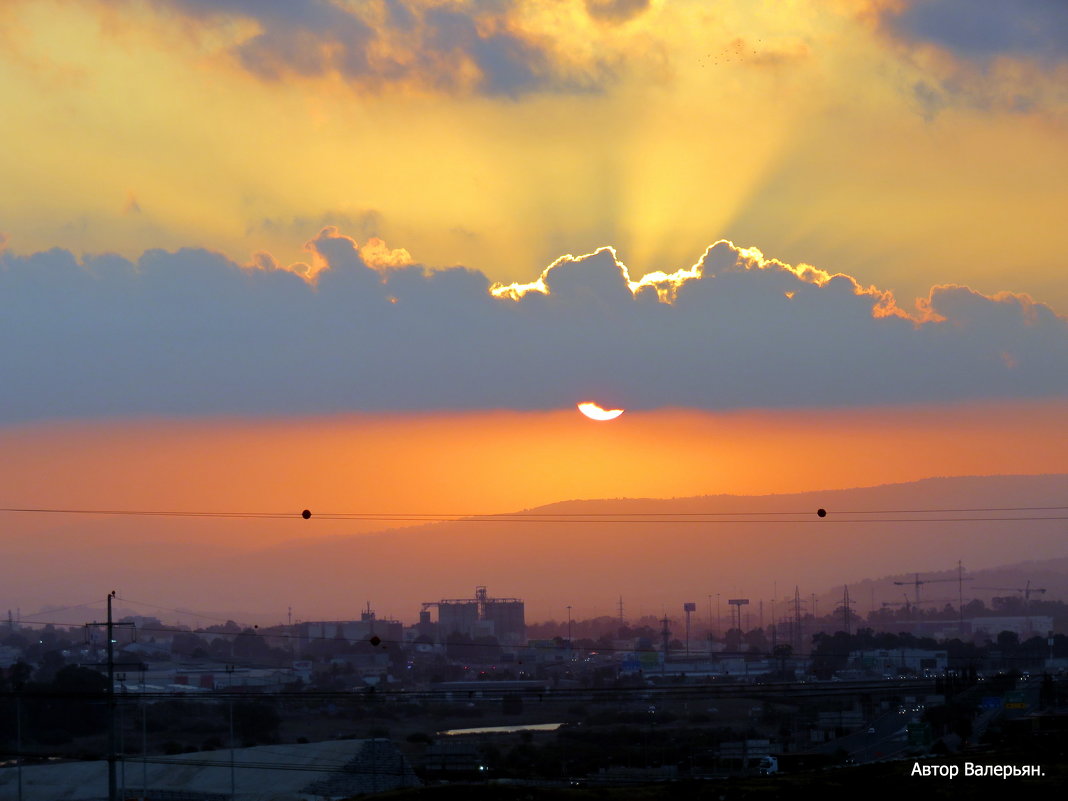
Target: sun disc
{"points": [[595, 412]]}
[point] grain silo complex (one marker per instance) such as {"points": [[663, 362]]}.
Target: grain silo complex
{"points": [[482, 616]]}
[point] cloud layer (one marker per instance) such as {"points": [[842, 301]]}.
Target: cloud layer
{"points": [[1008, 54], [191, 333], [452, 46], [985, 29]]}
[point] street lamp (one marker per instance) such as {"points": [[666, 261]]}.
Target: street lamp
{"points": [[569, 632]]}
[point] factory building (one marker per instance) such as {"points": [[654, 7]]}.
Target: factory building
{"points": [[481, 616], [351, 631]]}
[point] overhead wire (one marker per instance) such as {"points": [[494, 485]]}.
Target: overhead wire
{"points": [[84, 605], [186, 612], [660, 517], [146, 512]]}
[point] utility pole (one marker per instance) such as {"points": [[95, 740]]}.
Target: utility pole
{"points": [[290, 635], [797, 620], [570, 656], [113, 789], [774, 622], [230, 688], [122, 735], [960, 597], [665, 633], [144, 736], [18, 729], [845, 608], [688, 608]]}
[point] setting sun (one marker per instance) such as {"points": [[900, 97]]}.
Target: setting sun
{"points": [[595, 412]]}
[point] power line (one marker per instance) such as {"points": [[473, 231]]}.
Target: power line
{"points": [[148, 512], [85, 605], [703, 521], [186, 612], [973, 515]]}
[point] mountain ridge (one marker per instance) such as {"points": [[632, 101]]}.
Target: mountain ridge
{"points": [[655, 566]]}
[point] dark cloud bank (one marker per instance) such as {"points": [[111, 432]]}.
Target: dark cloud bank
{"points": [[467, 46], [1000, 54], [191, 333], [984, 29]]}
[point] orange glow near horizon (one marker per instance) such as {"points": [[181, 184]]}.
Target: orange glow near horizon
{"points": [[473, 463], [397, 463]]}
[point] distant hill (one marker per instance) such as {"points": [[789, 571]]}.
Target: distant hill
{"points": [[657, 565], [652, 554]]}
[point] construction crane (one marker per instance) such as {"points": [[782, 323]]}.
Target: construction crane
{"points": [[1025, 590], [917, 582]]}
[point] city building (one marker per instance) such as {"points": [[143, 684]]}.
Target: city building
{"points": [[481, 616], [351, 631]]}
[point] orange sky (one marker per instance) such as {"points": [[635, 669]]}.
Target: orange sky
{"points": [[479, 463], [865, 138], [465, 464]]}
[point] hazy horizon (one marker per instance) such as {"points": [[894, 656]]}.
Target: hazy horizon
{"points": [[366, 259], [869, 534]]}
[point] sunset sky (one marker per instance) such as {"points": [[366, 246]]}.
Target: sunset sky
{"points": [[367, 256]]}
